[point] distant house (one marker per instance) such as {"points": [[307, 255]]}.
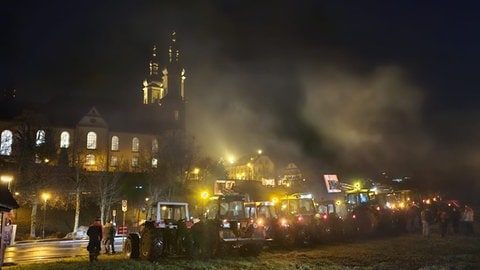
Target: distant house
{"points": [[256, 167], [290, 176]]}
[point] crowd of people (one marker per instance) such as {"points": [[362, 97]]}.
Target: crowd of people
{"points": [[446, 215], [99, 235]]}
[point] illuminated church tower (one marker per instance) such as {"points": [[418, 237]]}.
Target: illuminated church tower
{"points": [[165, 89]]}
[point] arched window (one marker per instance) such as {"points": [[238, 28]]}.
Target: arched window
{"points": [[134, 161], [90, 159], [64, 139], [114, 161], [115, 143], [91, 140], [6, 143], [40, 138], [155, 146], [135, 144]]}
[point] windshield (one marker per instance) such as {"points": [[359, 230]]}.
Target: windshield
{"points": [[170, 212], [233, 209], [297, 206]]}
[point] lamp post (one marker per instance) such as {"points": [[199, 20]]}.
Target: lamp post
{"points": [[4, 232], [45, 197], [204, 199], [147, 208]]}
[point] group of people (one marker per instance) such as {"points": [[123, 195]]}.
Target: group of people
{"points": [[447, 215], [98, 233]]}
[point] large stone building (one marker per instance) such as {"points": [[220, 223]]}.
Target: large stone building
{"points": [[100, 137]]}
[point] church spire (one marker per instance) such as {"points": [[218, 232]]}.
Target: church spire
{"points": [[173, 52], [176, 74], [154, 62]]}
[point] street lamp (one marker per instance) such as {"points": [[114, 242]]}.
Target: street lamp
{"points": [[6, 179], [45, 197], [147, 208]]}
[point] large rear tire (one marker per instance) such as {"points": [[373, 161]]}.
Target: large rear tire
{"points": [[131, 247], [287, 238], [253, 249], [152, 244], [203, 241]]}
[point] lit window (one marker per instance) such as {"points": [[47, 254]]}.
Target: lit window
{"points": [[6, 143], [91, 140], [135, 144], [154, 146], [115, 143], [154, 163], [40, 138], [134, 161], [114, 161], [90, 159], [64, 139]]}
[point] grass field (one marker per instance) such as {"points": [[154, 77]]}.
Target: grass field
{"points": [[409, 251]]}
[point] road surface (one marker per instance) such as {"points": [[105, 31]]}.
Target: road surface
{"points": [[31, 251]]}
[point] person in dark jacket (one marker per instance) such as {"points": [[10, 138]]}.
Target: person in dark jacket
{"points": [[94, 233], [109, 237]]}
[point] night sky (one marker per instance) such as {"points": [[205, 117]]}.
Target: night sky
{"points": [[347, 87]]}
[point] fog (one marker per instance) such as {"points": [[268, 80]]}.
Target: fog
{"points": [[327, 117]]}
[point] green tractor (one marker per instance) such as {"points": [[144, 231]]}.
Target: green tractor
{"points": [[225, 228]]}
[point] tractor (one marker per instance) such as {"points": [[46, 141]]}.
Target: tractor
{"points": [[225, 228], [166, 234]]}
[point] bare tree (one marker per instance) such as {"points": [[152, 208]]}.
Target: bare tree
{"points": [[34, 154], [105, 186], [177, 153]]}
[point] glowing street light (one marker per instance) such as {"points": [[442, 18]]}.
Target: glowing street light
{"points": [[45, 197], [357, 185], [6, 179]]}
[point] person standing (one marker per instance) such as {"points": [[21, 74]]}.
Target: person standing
{"points": [[443, 216], [455, 217], [109, 237], [426, 217], [468, 219], [94, 233]]}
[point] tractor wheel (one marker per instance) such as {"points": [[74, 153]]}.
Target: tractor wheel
{"points": [[131, 247], [304, 237], [152, 245], [288, 238], [202, 241], [251, 249]]}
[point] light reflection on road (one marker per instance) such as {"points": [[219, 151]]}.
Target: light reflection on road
{"points": [[27, 252]]}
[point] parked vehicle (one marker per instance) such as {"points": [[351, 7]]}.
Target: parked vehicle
{"points": [[263, 215], [167, 234], [298, 220], [226, 228]]}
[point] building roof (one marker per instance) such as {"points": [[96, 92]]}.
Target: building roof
{"points": [[67, 111]]}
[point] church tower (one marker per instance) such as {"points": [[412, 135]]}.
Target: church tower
{"points": [[165, 90], [153, 89]]}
